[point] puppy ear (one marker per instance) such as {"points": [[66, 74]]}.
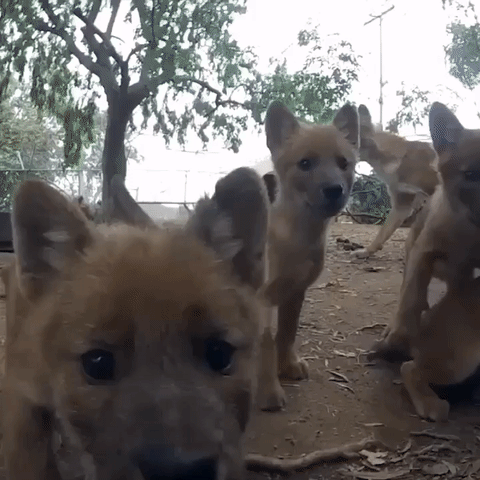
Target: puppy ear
{"points": [[49, 231], [280, 124], [346, 120], [124, 208], [365, 121], [234, 222], [214, 228], [445, 129]]}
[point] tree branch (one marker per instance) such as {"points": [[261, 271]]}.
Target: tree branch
{"points": [[105, 49], [92, 16], [83, 58], [115, 6]]}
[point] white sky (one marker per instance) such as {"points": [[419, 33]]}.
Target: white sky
{"points": [[414, 36]]}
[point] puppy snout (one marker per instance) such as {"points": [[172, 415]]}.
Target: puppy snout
{"points": [[157, 463], [333, 192]]}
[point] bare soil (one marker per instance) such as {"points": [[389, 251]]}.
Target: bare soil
{"points": [[345, 399]]}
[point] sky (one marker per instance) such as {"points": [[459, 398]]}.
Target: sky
{"points": [[414, 36]]}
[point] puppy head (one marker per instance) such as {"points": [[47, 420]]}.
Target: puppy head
{"points": [[314, 163], [146, 341], [458, 150]]}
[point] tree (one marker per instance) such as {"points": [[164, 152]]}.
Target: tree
{"points": [[463, 52], [318, 90], [28, 141], [181, 47], [415, 106], [185, 71]]}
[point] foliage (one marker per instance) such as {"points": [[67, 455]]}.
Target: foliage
{"points": [[312, 95], [415, 106], [183, 69], [463, 52]]}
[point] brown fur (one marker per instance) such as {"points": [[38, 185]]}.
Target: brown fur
{"points": [[182, 329], [408, 169], [314, 166], [446, 350], [85, 208], [445, 239]]}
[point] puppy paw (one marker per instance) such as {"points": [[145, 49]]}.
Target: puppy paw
{"points": [[271, 398], [390, 349], [295, 369], [433, 408]]}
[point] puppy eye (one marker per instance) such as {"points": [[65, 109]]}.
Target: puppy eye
{"points": [[342, 163], [305, 164], [99, 364], [472, 175], [219, 355]]}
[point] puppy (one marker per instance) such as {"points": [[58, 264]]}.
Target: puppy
{"points": [[314, 169], [445, 239], [408, 169], [137, 344]]}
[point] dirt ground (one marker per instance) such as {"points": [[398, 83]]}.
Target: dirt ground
{"points": [[346, 400]]}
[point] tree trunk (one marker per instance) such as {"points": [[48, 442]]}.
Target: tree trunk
{"points": [[114, 159]]}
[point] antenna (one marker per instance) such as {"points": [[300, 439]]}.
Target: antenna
{"points": [[380, 20]]}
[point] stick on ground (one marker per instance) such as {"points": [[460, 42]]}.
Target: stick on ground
{"points": [[260, 463]]}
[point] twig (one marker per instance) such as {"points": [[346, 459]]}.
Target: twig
{"points": [[340, 376], [255, 462], [373, 325], [438, 436]]}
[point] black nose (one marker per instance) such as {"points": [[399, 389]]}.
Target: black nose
{"points": [[333, 192], [163, 463]]}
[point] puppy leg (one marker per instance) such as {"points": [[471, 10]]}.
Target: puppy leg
{"points": [[270, 394], [413, 300], [401, 209], [28, 442], [290, 366], [427, 404]]}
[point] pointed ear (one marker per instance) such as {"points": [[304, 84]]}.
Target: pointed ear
{"points": [[49, 231], [124, 208], [280, 124], [214, 228], [445, 128], [346, 120], [365, 120], [234, 222]]}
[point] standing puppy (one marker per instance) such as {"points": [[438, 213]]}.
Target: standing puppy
{"points": [[408, 169], [315, 166]]}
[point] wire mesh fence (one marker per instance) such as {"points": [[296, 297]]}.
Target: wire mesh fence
{"points": [[164, 193]]}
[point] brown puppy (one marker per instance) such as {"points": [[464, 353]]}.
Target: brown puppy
{"points": [[408, 169], [446, 350], [445, 239], [314, 166], [136, 345]]}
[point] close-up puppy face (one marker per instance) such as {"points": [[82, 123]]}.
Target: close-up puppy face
{"points": [[315, 163], [146, 344], [458, 150]]}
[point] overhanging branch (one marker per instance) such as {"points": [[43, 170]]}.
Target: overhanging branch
{"points": [[105, 48]]}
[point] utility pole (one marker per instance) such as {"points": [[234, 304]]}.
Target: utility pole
{"points": [[380, 20]]}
